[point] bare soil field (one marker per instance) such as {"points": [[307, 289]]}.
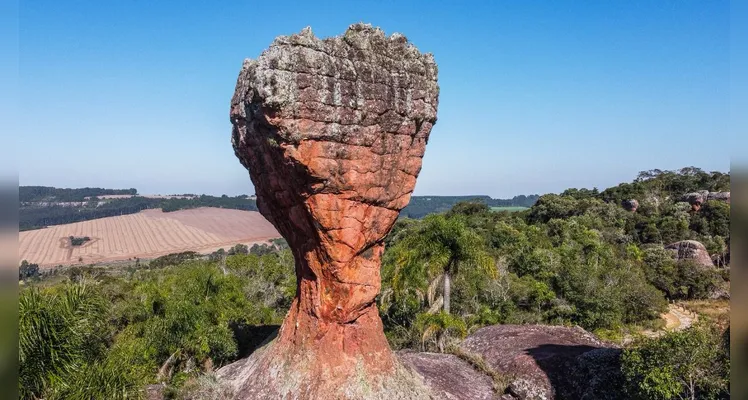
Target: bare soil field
{"points": [[148, 234]]}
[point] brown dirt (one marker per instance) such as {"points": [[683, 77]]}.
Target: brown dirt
{"points": [[148, 234]]}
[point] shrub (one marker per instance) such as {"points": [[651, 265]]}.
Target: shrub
{"points": [[690, 364]]}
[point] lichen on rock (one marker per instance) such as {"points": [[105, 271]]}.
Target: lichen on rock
{"points": [[333, 132]]}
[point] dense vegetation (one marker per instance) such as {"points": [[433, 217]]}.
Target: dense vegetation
{"points": [[577, 258], [420, 206]]}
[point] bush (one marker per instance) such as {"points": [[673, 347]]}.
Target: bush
{"points": [[692, 364], [173, 259], [28, 271]]}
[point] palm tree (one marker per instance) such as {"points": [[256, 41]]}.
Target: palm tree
{"points": [[439, 248], [439, 328]]}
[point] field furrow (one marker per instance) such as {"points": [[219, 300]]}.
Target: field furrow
{"points": [[145, 235]]}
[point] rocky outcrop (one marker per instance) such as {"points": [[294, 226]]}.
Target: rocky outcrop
{"points": [[698, 198], [691, 250], [332, 132], [449, 377], [719, 196], [695, 199], [548, 362], [630, 205]]}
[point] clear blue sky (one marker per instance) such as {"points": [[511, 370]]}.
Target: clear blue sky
{"points": [[536, 96]]}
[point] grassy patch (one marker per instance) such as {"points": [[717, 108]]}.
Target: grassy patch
{"points": [[715, 310]]}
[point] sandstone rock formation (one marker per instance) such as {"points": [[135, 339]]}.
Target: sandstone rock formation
{"points": [[691, 250], [719, 196], [698, 198], [548, 362], [695, 199], [630, 205], [449, 377], [332, 132]]}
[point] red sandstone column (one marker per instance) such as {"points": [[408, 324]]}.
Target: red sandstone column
{"points": [[332, 132]]}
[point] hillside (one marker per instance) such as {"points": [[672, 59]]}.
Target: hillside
{"points": [[577, 259], [147, 234], [42, 206]]}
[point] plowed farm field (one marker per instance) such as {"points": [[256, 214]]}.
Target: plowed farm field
{"points": [[147, 234]]}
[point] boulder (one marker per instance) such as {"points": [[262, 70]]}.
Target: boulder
{"points": [[548, 362], [333, 133], [631, 205], [695, 199], [692, 250]]}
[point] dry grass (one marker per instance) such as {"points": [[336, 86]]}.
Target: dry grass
{"points": [[714, 310], [144, 235], [500, 381]]}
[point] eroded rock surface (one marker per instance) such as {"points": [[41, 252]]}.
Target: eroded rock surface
{"points": [[546, 362], [332, 132], [719, 196], [691, 250], [449, 377], [698, 198]]}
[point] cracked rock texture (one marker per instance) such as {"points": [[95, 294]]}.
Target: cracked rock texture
{"points": [[332, 132], [544, 362]]}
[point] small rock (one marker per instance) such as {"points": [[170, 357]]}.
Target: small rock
{"points": [[154, 392], [631, 205]]}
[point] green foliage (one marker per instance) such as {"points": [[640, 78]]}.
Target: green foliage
{"points": [[239, 249], [63, 334], [109, 336], [691, 364], [438, 250], [28, 271], [678, 280], [173, 259], [435, 330], [420, 206], [575, 258], [78, 240], [47, 193]]}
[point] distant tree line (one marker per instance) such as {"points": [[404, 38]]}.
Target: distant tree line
{"points": [[35, 217], [48, 193], [420, 206], [236, 203]]}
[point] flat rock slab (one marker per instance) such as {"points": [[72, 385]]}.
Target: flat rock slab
{"points": [[449, 377], [541, 360]]}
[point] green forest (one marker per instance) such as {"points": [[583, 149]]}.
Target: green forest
{"points": [[578, 258], [48, 193], [420, 206]]}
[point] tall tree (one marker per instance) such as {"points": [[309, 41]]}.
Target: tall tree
{"points": [[439, 249]]}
